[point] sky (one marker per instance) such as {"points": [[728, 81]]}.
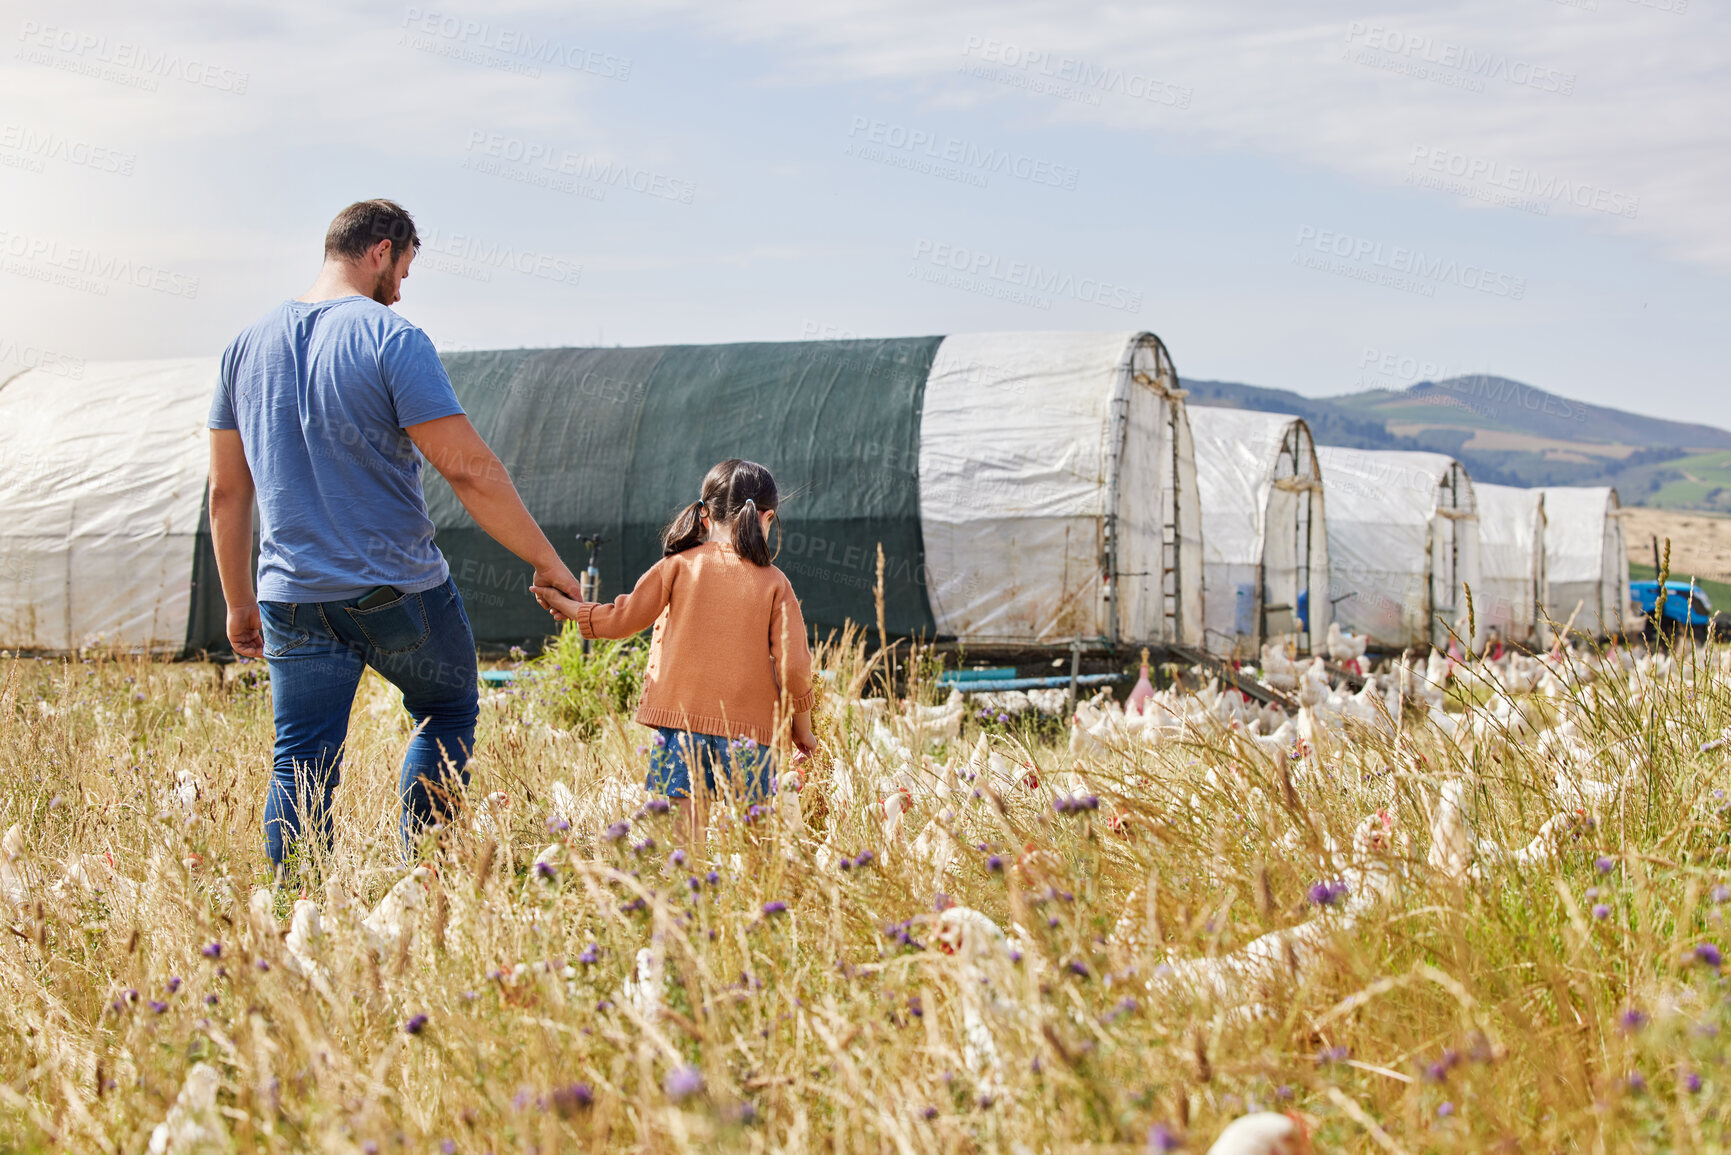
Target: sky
{"points": [[1317, 197]]}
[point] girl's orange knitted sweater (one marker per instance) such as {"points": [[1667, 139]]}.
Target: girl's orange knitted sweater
{"points": [[728, 655]]}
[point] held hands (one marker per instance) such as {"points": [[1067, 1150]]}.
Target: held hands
{"points": [[557, 576], [563, 608], [245, 632]]}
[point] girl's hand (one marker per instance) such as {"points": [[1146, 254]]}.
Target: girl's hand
{"points": [[803, 739], [562, 608]]}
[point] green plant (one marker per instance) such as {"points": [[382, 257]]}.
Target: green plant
{"points": [[577, 691]]}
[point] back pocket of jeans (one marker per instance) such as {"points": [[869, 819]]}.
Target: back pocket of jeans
{"points": [[277, 622], [395, 627]]}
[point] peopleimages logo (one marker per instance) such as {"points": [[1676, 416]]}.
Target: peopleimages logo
{"points": [[1019, 281], [89, 52], [466, 249], [44, 146], [87, 270], [1069, 77], [1517, 180], [1408, 52], [1408, 264], [921, 150], [490, 150], [512, 42]]}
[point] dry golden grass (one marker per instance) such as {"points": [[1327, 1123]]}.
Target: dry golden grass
{"points": [[1491, 1015]]}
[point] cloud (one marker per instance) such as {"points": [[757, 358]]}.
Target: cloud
{"points": [[1587, 106]]}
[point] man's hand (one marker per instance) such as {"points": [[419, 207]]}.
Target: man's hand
{"points": [[560, 577], [245, 633]]}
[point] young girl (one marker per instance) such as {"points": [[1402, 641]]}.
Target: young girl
{"points": [[728, 661]]}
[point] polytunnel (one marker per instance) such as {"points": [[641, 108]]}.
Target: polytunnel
{"points": [[1024, 489], [1403, 544], [1586, 559], [102, 477], [1265, 552], [1511, 591]]}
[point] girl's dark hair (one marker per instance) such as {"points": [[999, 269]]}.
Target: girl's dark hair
{"points": [[731, 490]]}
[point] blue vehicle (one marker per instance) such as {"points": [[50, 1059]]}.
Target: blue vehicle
{"points": [[1687, 607]]}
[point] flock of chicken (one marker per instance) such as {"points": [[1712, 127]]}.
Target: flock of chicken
{"points": [[924, 804]]}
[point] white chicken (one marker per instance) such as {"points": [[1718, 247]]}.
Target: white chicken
{"points": [[1344, 648], [14, 870], [392, 923], [193, 1124], [1263, 1133]]}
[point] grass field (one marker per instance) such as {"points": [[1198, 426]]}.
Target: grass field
{"points": [[1572, 1004]]}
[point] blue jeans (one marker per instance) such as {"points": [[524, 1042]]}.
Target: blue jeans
{"points": [[747, 766], [421, 643]]}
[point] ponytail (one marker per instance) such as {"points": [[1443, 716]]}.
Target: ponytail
{"points": [[734, 493], [684, 531], [748, 540]]}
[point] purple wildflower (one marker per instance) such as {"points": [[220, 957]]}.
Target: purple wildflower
{"points": [[682, 1083], [212, 950], [1720, 893], [415, 1025], [994, 864], [864, 858], [448, 1147], [712, 878], [262, 965], [591, 954], [1328, 893], [616, 830], [1162, 1139], [210, 1000], [1604, 864], [1632, 1020], [677, 858], [774, 908], [1636, 1083], [1078, 968], [1444, 1110], [1601, 911], [158, 1007], [1709, 955], [929, 1113], [1332, 1055], [173, 983], [657, 806], [1691, 1082], [545, 870], [572, 1099]]}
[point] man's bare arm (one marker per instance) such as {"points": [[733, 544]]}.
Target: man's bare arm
{"points": [[477, 476], [231, 495]]}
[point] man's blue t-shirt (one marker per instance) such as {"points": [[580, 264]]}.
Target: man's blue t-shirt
{"points": [[321, 393]]}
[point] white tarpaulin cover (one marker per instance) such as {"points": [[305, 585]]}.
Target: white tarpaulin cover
{"points": [[1265, 541], [1511, 562], [1027, 442], [102, 482], [1585, 558], [1402, 541]]}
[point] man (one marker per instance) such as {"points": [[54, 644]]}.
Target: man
{"points": [[322, 405]]}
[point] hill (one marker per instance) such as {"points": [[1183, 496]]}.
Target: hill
{"points": [[1511, 433]]}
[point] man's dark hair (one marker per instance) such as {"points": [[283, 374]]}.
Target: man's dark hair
{"points": [[365, 223]]}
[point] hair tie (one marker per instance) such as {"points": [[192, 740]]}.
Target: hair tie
{"points": [[700, 503], [751, 501]]}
